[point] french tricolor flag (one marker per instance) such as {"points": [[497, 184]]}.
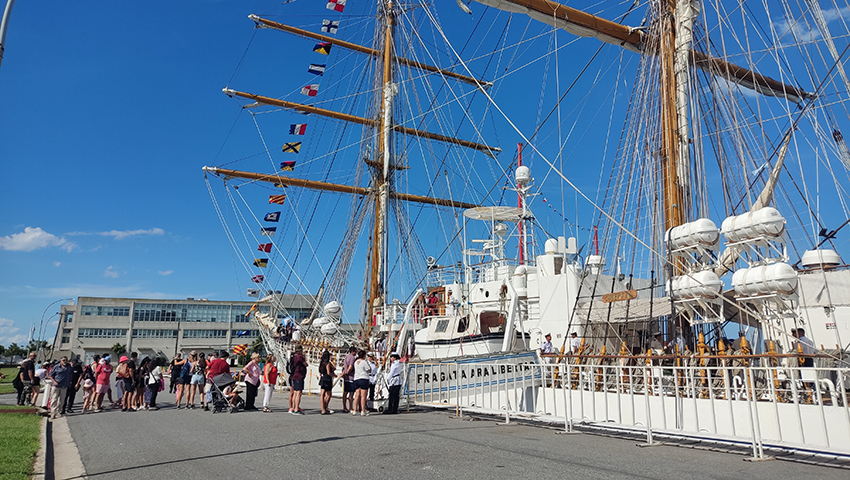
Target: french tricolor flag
{"points": [[298, 129]]}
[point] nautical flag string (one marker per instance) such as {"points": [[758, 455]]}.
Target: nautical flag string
{"points": [[272, 217], [287, 166], [291, 147], [261, 262], [258, 278], [310, 90], [323, 47], [253, 292], [566, 220], [330, 26], [316, 69], [297, 129], [278, 199], [268, 231], [241, 349], [338, 5], [265, 247]]}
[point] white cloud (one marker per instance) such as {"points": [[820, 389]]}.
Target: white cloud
{"points": [[56, 264], [33, 238], [165, 273], [110, 272], [806, 30], [9, 335], [122, 234]]}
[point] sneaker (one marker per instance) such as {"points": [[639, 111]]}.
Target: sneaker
{"points": [[293, 412], [179, 407], [353, 412], [330, 412], [98, 410], [290, 410], [364, 414], [298, 412], [154, 408], [345, 410]]}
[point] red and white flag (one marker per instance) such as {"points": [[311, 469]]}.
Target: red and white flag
{"points": [[310, 90], [338, 5]]}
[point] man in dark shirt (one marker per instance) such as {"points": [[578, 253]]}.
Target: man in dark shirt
{"points": [[296, 380], [27, 375], [76, 381]]}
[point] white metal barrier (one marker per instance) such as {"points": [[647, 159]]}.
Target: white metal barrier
{"points": [[802, 409]]}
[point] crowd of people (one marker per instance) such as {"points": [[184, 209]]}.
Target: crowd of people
{"points": [[137, 384]]}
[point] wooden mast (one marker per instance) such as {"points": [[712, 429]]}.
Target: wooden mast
{"points": [[673, 207], [376, 284]]}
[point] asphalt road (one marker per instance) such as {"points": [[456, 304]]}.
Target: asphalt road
{"points": [[193, 444]]}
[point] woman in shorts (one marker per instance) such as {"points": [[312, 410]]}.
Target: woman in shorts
{"points": [[362, 373], [196, 381], [326, 381], [177, 371]]}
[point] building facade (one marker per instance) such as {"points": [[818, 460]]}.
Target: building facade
{"points": [[156, 327]]}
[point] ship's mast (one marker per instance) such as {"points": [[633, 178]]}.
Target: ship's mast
{"points": [[377, 287], [674, 209]]}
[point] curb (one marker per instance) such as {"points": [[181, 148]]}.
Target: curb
{"points": [[39, 468]]}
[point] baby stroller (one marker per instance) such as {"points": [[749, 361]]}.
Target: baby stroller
{"points": [[219, 399]]}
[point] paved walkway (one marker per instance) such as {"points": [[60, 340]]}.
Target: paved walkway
{"points": [[193, 444]]}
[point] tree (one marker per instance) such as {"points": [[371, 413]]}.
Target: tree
{"points": [[258, 346], [2, 350], [36, 345], [15, 350], [119, 349]]}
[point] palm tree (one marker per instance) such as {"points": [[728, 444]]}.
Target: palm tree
{"points": [[119, 349], [258, 346]]}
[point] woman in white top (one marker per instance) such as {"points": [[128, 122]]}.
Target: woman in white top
{"points": [[362, 372]]}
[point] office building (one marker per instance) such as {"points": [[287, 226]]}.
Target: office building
{"points": [[156, 327]]}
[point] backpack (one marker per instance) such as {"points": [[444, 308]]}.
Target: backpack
{"points": [[122, 370], [184, 372], [88, 373], [290, 365]]}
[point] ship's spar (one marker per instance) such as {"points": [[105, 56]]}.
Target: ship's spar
{"points": [[381, 165], [673, 152]]}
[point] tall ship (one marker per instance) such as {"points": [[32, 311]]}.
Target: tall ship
{"points": [[658, 183]]}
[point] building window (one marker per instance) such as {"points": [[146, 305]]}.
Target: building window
{"points": [[153, 333], [241, 314], [69, 317], [66, 339], [159, 312], [204, 333], [105, 311], [102, 333]]}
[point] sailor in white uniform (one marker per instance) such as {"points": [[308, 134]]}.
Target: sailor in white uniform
{"points": [[547, 349]]}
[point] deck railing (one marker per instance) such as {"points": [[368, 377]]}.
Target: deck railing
{"points": [[792, 408]]}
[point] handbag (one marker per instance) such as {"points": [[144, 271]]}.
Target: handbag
{"points": [[161, 384]]}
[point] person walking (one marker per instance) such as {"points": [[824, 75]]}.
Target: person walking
{"points": [[326, 381], [394, 382], [252, 381], [269, 381], [298, 367], [60, 380], [76, 381], [362, 372]]}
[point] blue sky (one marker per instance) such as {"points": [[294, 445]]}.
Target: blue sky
{"points": [[108, 111]]}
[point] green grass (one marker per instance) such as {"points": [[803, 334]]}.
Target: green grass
{"points": [[6, 383], [18, 445]]}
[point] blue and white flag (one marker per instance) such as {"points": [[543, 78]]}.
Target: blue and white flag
{"points": [[272, 217], [330, 26], [316, 69]]}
